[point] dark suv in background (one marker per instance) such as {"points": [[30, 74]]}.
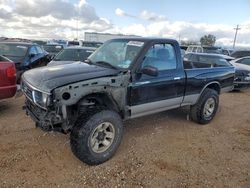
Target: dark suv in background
{"points": [[52, 49], [240, 53], [24, 55]]}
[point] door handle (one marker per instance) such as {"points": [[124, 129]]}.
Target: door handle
{"points": [[177, 78]]}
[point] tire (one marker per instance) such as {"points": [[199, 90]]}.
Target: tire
{"points": [[91, 142], [201, 113]]}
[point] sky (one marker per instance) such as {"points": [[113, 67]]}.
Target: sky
{"points": [[178, 19]]}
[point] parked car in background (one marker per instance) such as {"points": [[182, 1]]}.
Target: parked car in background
{"points": [[240, 53], [7, 78], [57, 41], [206, 60], [204, 49], [91, 44], [242, 74], [24, 55], [52, 49], [242, 79], [183, 50], [243, 62], [184, 47], [227, 51], [72, 54], [39, 42], [74, 43]]}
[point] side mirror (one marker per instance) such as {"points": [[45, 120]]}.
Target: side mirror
{"points": [[32, 55], [150, 70]]}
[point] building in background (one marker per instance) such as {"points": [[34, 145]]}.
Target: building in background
{"points": [[102, 37]]}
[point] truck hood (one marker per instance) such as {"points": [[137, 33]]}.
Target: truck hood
{"points": [[51, 77]]}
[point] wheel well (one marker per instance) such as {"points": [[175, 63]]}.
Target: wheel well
{"points": [[99, 99], [214, 86]]}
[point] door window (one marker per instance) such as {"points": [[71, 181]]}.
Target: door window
{"points": [[245, 61], [161, 56], [199, 50], [33, 50], [39, 50]]}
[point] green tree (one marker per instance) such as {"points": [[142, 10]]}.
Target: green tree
{"points": [[208, 40]]}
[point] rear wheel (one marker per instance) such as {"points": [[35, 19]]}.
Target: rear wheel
{"points": [[206, 107], [96, 138]]}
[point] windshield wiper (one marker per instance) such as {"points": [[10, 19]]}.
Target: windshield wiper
{"points": [[105, 64]]}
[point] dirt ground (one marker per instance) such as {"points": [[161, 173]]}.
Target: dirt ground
{"points": [[161, 150]]}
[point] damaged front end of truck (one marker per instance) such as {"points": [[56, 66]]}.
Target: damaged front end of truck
{"points": [[59, 109]]}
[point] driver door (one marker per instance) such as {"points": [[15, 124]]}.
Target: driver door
{"points": [[149, 94]]}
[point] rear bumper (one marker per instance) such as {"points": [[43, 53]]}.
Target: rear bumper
{"points": [[7, 91]]}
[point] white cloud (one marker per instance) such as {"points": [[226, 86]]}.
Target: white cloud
{"points": [[49, 18], [151, 16], [59, 9], [120, 12], [133, 29], [188, 31], [161, 27], [62, 18], [4, 14], [144, 15]]}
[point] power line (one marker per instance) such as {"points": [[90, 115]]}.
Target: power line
{"points": [[236, 32]]}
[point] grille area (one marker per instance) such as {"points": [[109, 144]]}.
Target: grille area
{"points": [[37, 112], [27, 91]]}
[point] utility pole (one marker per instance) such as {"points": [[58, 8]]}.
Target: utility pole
{"points": [[77, 28], [77, 20], [236, 31]]}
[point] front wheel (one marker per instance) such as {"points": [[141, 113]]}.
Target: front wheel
{"points": [[96, 138], [206, 107]]}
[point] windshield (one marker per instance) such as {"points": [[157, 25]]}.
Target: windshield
{"points": [[16, 50], [52, 48], [118, 53], [73, 55]]}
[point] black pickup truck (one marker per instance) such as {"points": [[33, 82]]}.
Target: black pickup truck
{"points": [[125, 78]]}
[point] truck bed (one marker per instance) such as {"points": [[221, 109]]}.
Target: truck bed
{"points": [[198, 78]]}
